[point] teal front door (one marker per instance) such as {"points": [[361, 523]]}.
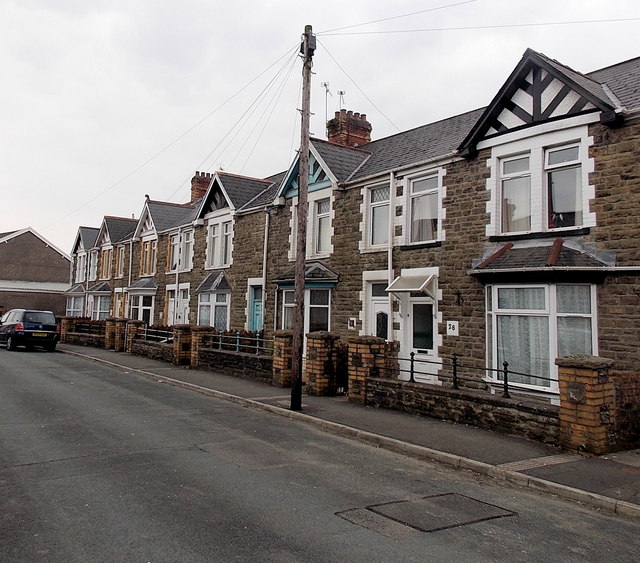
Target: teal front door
{"points": [[255, 308]]}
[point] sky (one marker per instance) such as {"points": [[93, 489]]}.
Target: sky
{"points": [[105, 101]]}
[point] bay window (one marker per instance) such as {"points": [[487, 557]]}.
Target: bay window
{"points": [[530, 326], [322, 226], [213, 310]]}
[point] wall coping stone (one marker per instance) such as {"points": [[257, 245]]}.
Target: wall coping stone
{"points": [[585, 362]]}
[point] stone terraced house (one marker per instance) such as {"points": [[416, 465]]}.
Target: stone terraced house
{"points": [[506, 233]]}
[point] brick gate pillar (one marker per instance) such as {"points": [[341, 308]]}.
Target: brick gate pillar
{"points": [[283, 358], [366, 358], [198, 337], [132, 329], [67, 325], [110, 334], [181, 344], [587, 404], [322, 363], [120, 335]]}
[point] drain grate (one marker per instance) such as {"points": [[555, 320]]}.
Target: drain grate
{"points": [[428, 514]]}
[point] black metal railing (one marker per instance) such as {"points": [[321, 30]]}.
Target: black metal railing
{"points": [[248, 342], [458, 373], [160, 334]]}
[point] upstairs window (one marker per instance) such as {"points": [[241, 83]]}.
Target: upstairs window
{"points": [[93, 265], [179, 255], [105, 264], [564, 187], [219, 241], [378, 216], [516, 194], [322, 231], [81, 267], [119, 267], [148, 257], [542, 188], [424, 208]]}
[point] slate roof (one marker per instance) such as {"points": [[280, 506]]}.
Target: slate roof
{"points": [[88, 236], [342, 161], [215, 281], [120, 228], [314, 271], [588, 84], [624, 81], [242, 189], [166, 216], [100, 287], [144, 283], [512, 257], [76, 289], [421, 144], [3, 235]]}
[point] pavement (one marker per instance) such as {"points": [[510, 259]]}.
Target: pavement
{"points": [[609, 483]]}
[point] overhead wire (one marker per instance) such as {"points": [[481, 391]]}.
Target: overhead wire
{"points": [[274, 104], [476, 27], [357, 86], [172, 143], [330, 31], [237, 126]]}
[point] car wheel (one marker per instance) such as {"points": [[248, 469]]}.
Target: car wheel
{"points": [[10, 343], [51, 347]]}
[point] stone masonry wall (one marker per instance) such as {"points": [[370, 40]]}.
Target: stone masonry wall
{"points": [[616, 179], [516, 417], [248, 244]]}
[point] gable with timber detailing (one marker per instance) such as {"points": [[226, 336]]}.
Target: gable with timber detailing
{"points": [[538, 90], [539, 96]]}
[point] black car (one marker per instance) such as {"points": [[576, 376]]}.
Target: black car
{"points": [[24, 327]]}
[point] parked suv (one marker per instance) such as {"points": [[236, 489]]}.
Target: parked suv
{"points": [[29, 328]]}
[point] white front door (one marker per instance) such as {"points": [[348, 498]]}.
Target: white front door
{"points": [[418, 328]]}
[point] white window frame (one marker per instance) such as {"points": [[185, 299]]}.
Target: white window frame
{"points": [[120, 257], [312, 250], [75, 306], [148, 256], [537, 144], [370, 212], [106, 262], [219, 253], [213, 301], [81, 267], [101, 307], [288, 306], [550, 312], [180, 252], [137, 307], [93, 265], [413, 196]]}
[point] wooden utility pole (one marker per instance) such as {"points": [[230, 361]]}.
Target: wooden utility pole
{"points": [[307, 49]]}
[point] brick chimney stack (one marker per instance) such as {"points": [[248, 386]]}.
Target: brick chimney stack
{"points": [[349, 129], [200, 184]]}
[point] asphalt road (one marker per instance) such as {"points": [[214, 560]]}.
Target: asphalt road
{"points": [[100, 465]]}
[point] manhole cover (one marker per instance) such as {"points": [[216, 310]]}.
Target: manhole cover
{"points": [[437, 512]]}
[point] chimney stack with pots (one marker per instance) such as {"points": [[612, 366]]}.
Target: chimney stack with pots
{"points": [[349, 129], [199, 185]]}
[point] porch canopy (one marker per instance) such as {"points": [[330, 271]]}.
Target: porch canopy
{"points": [[404, 284]]}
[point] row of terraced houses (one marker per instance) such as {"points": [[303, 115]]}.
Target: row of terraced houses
{"points": [[510, 232]]}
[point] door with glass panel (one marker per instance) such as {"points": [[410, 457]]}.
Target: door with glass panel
{"points": [[378, 318]]}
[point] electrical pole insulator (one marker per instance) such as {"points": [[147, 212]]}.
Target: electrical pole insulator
{"points": [[307, 49]]}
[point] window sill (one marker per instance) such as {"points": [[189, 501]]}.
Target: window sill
{"points": [[540, 235], [419, 245]]}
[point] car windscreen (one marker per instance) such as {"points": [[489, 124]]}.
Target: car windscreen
{"points": [[39, 317]]}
